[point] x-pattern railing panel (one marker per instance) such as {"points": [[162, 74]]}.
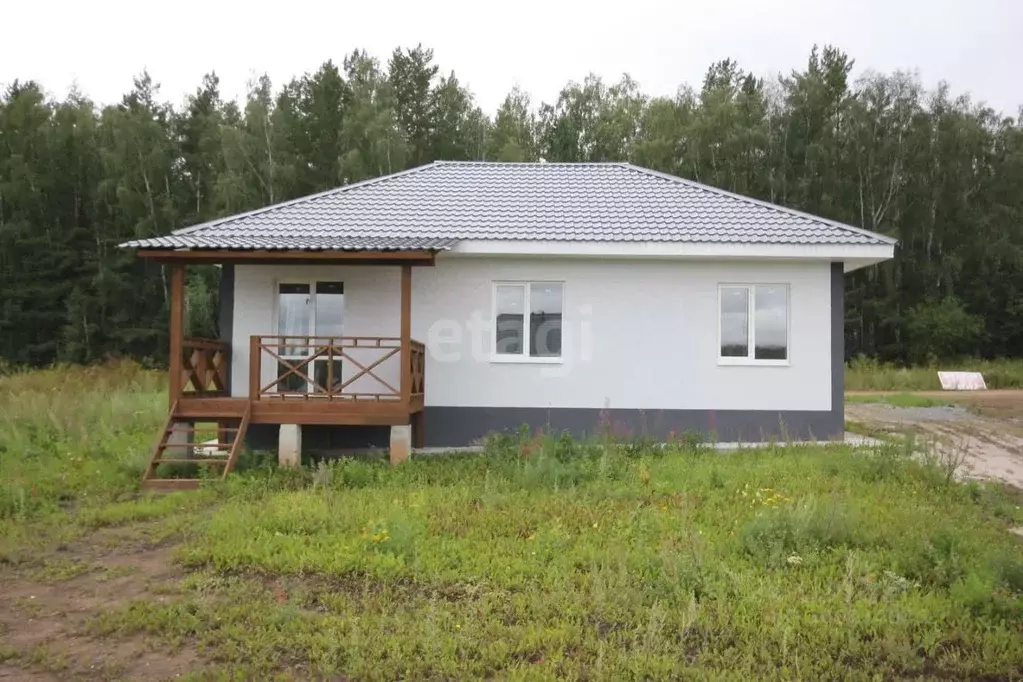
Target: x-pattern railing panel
{"points": [[204, 366], [331, 349], [418, 360]]}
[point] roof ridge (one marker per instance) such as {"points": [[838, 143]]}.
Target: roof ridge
{"points": [[759, 202], [298, 200], [471, 162]]}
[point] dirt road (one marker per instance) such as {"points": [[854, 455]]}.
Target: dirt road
{"points": [[986, 426]]}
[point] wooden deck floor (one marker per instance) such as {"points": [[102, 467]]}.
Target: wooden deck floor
{"points": [[312, 411]]}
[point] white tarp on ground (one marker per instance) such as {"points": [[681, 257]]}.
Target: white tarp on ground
{"points": [[962, 381]]}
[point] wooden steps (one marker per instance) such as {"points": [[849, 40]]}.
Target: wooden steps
{"points": [[181, 444]]}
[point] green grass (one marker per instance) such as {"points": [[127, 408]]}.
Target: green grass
{"points": [[71, 435], [544, 558], [813, 562], [866, 374], [896, 399]]}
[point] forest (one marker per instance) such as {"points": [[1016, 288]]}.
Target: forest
{"points": [[941, 173]]}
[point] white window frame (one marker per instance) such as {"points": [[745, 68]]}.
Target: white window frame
{"points": [[312, 294], [524, 358], [312, 318], [751, 330]]}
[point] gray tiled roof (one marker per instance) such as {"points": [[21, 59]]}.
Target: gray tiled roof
{"points": [[437, 205]]}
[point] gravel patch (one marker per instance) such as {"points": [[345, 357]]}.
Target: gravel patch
{"points": [[991, 446], [941, 413]]}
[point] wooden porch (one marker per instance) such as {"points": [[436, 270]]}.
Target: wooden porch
{"points": [[299, 380], [314, 380]]}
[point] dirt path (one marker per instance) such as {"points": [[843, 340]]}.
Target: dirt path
{"points": [[43, 617], [1002, 403], [986, 427]]}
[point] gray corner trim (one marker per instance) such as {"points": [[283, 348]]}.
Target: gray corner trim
{"points": [[225, 309], [838, 344]]}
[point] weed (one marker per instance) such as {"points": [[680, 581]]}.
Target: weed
{"points": [[784, 530], [60, 570], [867, 374], [866, 430], [939, 562], [887, 460], [948, 457], [688, 441], [716, 479], [1009, 572]]}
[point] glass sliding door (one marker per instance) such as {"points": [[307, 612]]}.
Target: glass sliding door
{"points": [[306, 314], [294, 326], [328, 320]]}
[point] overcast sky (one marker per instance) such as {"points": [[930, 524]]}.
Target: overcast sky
{"points": [[100, 44]]}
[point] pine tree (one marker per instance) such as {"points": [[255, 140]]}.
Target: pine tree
{"points": [[411, 74], [930, 168]]}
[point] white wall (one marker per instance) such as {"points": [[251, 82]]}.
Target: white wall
{"points": [[637, 334], [372, 299]]}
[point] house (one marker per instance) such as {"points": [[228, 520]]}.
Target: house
{"points": [[460, 298]]}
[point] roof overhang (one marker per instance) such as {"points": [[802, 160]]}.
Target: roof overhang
{"points": [[297, 257], [854, 256]]}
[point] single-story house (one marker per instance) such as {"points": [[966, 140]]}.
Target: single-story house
{"points": [[433, 306]]}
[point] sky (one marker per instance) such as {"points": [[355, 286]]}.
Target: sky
{"points": [[100, 45]]}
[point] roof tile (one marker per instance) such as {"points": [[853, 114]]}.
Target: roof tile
{"points": [[438, 205]]}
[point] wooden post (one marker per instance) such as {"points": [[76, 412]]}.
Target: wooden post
{"points": [[177, 328], [255, 368], [406, 334]]}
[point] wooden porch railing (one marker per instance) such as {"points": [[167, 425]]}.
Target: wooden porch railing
{"points": [[417, 358], [330, 367], [204, 367]]}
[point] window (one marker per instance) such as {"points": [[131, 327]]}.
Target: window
{"points": [[308, 310], [539, 339], [754, 323]]}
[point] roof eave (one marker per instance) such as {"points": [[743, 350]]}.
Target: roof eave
{"points": [[877, 252], [293, 256]]}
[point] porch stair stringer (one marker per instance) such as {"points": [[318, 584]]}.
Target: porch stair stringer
{"points": [[177, 445]]}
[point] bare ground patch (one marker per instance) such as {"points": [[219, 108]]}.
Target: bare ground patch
{"points": [[42, 617], [8, 672], [987, 426]]}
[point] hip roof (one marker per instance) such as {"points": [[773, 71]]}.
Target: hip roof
{"points": [[435, 206]]}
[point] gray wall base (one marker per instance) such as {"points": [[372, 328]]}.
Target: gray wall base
{"points": [[455, 426], [461, 426]]}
